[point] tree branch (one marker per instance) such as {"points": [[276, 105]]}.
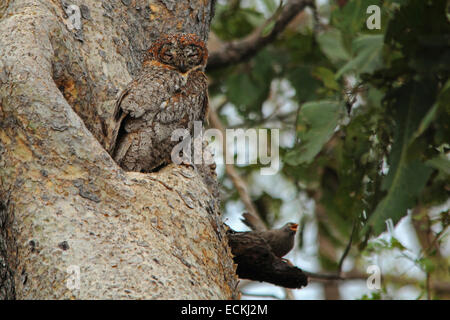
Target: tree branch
{"points": [[238, 51]]}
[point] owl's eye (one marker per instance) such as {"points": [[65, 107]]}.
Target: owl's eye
{"points": [[192, 54], [194, 59], [167, 54]]}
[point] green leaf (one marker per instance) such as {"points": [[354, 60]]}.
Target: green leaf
{"points": [[248, 90], [235, 22], [426, 121], [327, 77], [395, 244], [237, 85], [367, 50], [444, 95], [443, 101], [441, 163], [268, 28], [332, 46], [351, 18], [426, 264], [407, 175], [316, 124], [373, 296], [303, 82], [270, 5]]}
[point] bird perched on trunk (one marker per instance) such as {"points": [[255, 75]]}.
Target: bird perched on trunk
{"points": [[258, 256], [170, 93], [280, 240]]}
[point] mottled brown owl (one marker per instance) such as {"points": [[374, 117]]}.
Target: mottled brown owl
{"points": [[169, 93]]}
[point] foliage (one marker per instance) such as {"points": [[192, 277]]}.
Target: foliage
{"points": [[372, 110]]}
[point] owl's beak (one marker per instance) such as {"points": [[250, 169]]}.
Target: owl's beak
{"points": [[294, 227], [182, 67]]}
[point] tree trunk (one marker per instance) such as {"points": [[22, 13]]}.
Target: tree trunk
{"points": [[72, 223]]}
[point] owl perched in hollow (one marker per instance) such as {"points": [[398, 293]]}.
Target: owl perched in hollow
{"points": [[170, 92]]}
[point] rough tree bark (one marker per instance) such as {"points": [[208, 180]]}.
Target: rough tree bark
{"points": [[64, 203]]}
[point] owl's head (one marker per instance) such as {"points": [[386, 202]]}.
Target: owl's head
{"points": [[183, 52]]}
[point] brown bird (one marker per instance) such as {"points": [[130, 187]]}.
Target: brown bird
{"points": [[170, 93], [258, 256], [280, 240]]}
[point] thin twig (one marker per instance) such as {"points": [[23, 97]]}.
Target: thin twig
{"points": [[323, 276], [347, 248]]}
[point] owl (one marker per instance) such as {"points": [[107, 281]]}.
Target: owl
{"points": [[169, 93]]}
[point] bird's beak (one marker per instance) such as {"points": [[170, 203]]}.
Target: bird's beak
{"points": [[183, 68], [294, 227]]}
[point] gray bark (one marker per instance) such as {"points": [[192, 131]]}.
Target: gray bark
{"points": [[64, 203]]}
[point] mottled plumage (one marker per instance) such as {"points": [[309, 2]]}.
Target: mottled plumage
{"points": [[169, 93]]}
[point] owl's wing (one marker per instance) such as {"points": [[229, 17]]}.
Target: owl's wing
{"points": [[205, 108], [118, 116], [203, 115], [145, 95], [148, 93], [117, 110]]}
